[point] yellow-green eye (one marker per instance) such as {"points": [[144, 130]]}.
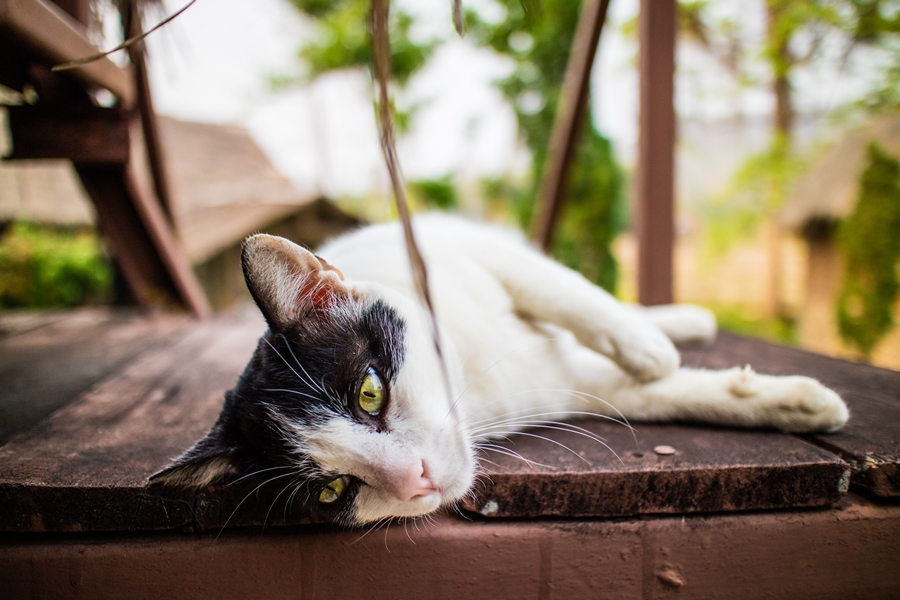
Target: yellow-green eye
{"points": [[334, 490], [371, 393]]}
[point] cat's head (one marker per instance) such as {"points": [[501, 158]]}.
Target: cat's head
{"points": [[342, 401]]}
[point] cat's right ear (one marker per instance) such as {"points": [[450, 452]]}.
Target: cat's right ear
{"points": [[285, 279], [208, 461]]}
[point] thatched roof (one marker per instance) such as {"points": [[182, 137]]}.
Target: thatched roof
{"points": [[828, 192]]}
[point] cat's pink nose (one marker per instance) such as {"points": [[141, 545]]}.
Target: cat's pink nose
{"points": [[414, 483]]}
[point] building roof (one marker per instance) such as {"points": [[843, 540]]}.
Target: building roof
{"points": [[829, 189]]}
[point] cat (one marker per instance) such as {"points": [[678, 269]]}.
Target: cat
{"points": [[345, 397]]}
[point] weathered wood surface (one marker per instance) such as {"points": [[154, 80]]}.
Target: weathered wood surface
{"points": [[870, 441], [48, 359], [86, 466], [711, 470]]}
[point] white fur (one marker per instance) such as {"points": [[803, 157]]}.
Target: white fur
{"points": [[525, 336]]}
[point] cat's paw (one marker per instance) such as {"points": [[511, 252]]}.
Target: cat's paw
{"points": [[795, 404], [645, 353]]}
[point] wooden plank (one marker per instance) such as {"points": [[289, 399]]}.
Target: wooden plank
{"points": [[569, 120], [654, 214], [57, 37], [849, 552], [88, 135], [711, 470], [85, 467], [870, 441], [49, 359], [149, 123]]}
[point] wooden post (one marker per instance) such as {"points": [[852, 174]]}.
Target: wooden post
{"points": [[131, 19], [569, 118], [656, 151]]}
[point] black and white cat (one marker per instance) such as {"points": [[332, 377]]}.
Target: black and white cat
{"points": [[344, 395]]}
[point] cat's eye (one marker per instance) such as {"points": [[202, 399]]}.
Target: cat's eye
{"points": [[334, 490], [372, 393]]}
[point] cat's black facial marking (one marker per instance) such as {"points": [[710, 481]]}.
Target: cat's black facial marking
{"points": [[300, 376]]}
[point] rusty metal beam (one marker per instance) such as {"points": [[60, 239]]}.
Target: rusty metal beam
{"points": [[569, 119], [656, 152], [58, 37]]}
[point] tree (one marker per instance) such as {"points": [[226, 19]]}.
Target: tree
{"points": [[798, 32], [870, 243], [537, 38]]}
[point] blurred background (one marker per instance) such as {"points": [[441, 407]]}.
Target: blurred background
{"points": [[788, 183]]}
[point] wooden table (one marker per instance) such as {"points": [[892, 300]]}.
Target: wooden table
{"points": [[103, 399]]}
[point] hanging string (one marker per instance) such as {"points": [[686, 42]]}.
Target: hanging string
{"points": [[126, 44], [381, 51]]}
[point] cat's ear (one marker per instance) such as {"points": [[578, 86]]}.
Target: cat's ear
{"points": [[286, 279], [208, 461]]}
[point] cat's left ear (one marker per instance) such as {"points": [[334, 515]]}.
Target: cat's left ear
{"points": [[208, 461], [286, 279]]}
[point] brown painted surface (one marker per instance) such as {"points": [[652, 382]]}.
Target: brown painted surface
{"points": [[655, 188], [710, 470], [847, 552], [871, 439], [88, 135]]}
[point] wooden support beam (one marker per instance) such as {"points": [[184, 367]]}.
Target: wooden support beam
{"points": [[54, 35], [569, 119], [148, 251], [131, 20], [656, 151], [87, 135]]}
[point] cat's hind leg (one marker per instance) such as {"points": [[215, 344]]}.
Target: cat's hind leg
{"points": [[736, 396]]}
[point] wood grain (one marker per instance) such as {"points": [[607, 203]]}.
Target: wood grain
{"points": [[870, 441], [86, 466], [48, 359], [711, 470]]}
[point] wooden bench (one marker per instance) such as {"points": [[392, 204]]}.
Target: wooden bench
{"points": [[730, 513]]}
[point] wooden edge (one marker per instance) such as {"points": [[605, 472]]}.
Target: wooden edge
{"points": [[569, 116], [60, 38]]}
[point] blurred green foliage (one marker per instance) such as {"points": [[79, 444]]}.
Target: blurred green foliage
{"points": [[435, 194], [342, 40], [869, 240], [757, 191], [751, 321], [537, 37], [43, 267]]}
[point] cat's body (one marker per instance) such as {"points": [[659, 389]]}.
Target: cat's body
{"points": [[345, 397]]}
